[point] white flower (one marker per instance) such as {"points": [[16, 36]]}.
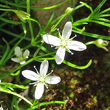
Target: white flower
{"points": [[64, 43], [41, 78], [21, 57], [1, 108]]}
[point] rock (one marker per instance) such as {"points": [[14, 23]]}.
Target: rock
{"points": [[44, 15]]}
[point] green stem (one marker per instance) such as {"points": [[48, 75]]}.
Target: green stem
{"points": [[89, 43], [7, 10], [80, 22], [46, 103], [29, 22], [13, 93], [28, 6], [40, 46], [27, 62], [41, 59], [54, 26], [51, 53]]}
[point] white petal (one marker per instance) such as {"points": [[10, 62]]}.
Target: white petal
{"points": [[76, 45], [26, 53], [44, 67], [60, 55], [15, 60], [30, 75], [22, 62], [67, 30], [1, 108], [39, 90], [49, 39], [18, 51], [53, 79]]}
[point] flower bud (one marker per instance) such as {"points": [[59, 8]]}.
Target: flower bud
{"points": [[99, 43], [22, 15], [68, 10]]}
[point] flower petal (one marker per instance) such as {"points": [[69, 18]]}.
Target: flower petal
{"points": [[67, 30], [76, 45], [1, 108], [39, 90], [30, 75], [44, 67], [15, 60], [53, 79], [49, 39], [60, 55], [18, 51], [21, 63], [26, 53]]}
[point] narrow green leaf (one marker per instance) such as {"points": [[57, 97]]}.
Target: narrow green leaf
{"points": [[13, 85], [4, 6], [78, 67], [108, 9], [49, 21], [104, 20], [5, 54], [99, 6], [92, 35], [10, 21], [15, 74], [13, 93], [50, 102], [77, 7], [89, 7], [101, 23], [105, 15], [13, 34], [54, 6]]}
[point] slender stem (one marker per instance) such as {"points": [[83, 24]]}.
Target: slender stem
{"points": [[29, 22], [28, 6], [89, 43], [27, 62], [51, 53], [40, 46], [7, 10], [53, 28], [13, 93]]}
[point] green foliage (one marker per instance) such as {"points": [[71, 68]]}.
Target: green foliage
{"points": [[28, 40]]}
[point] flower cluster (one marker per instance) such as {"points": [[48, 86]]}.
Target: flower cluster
{"points": [[63, 43]]}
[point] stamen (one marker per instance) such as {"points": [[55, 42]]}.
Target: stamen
{"points": [[46, 85], [32, 83], [36, 69], [52, 46], [58, 29], [73, 37], [49, 73], [59, 33], [70, 51]]}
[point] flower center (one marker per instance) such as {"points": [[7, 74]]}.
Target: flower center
{"points": [[21, 58], [63, 43], [41, 79]]}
